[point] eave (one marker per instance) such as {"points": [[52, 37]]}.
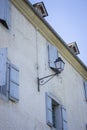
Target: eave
{"points": [[49, 33]]}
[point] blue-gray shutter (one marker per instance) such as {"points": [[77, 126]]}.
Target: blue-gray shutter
{"points": [[64, 118], [52, 55], [5, 12], [3, 60], [14, 83], [85, 87], [49, 118], [58, 117]]}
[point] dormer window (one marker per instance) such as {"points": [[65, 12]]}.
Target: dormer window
{"points": [[74, 48], [40, 8]]}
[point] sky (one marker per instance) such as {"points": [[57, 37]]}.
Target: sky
{"points": [[69, 20]]}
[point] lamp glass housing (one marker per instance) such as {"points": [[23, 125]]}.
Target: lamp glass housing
{"points": [[59, 64]]}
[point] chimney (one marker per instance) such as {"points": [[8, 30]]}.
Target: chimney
{"points": [[40, 8], [74, 48]]}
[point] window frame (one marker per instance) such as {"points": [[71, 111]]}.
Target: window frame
{"points": [[57, 102]]}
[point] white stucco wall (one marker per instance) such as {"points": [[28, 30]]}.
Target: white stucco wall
{"points": [[27, 48]]}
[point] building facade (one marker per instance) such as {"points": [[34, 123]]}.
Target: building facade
{"points": [[28, 48]]}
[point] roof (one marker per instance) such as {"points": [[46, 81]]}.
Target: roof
{"points": [[27, 9]]}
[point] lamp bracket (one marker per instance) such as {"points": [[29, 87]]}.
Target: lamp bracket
{"points": [[44, 80], [59, 66]]}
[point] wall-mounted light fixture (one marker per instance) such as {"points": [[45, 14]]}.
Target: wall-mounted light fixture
{"points": [[59, 67]]}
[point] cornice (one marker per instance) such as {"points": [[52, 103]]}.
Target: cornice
{"points": [[49, 33]]}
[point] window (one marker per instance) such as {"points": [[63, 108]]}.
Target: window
{"points": [[9, 77], [74, 48], [52, 56], [5, 13], [55, 113], [85, 88], [40, 7]]}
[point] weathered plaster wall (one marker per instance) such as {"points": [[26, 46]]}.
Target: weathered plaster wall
{"points": [[27, 49]]}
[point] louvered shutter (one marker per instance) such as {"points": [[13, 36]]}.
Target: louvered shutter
{"points": [[14, 83], [49, 111], [3, 59], [52, 55], [5, 12], [85, 87], [58, 117], [64, 118]]}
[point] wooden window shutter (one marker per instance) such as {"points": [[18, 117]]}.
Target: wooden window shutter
{"points": [[49, 111], [52, 55], [3, 60], [58, 117], [64, 118], [85, 87], [5, 12], [14, 83]]}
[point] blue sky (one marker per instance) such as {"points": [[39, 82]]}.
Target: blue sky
{"points": [[69, 20]]}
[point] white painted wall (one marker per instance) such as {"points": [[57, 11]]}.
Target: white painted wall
{"points": [[27, 48]]}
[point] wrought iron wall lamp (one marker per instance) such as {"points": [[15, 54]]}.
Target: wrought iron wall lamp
{"points": [[59, 67]]}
